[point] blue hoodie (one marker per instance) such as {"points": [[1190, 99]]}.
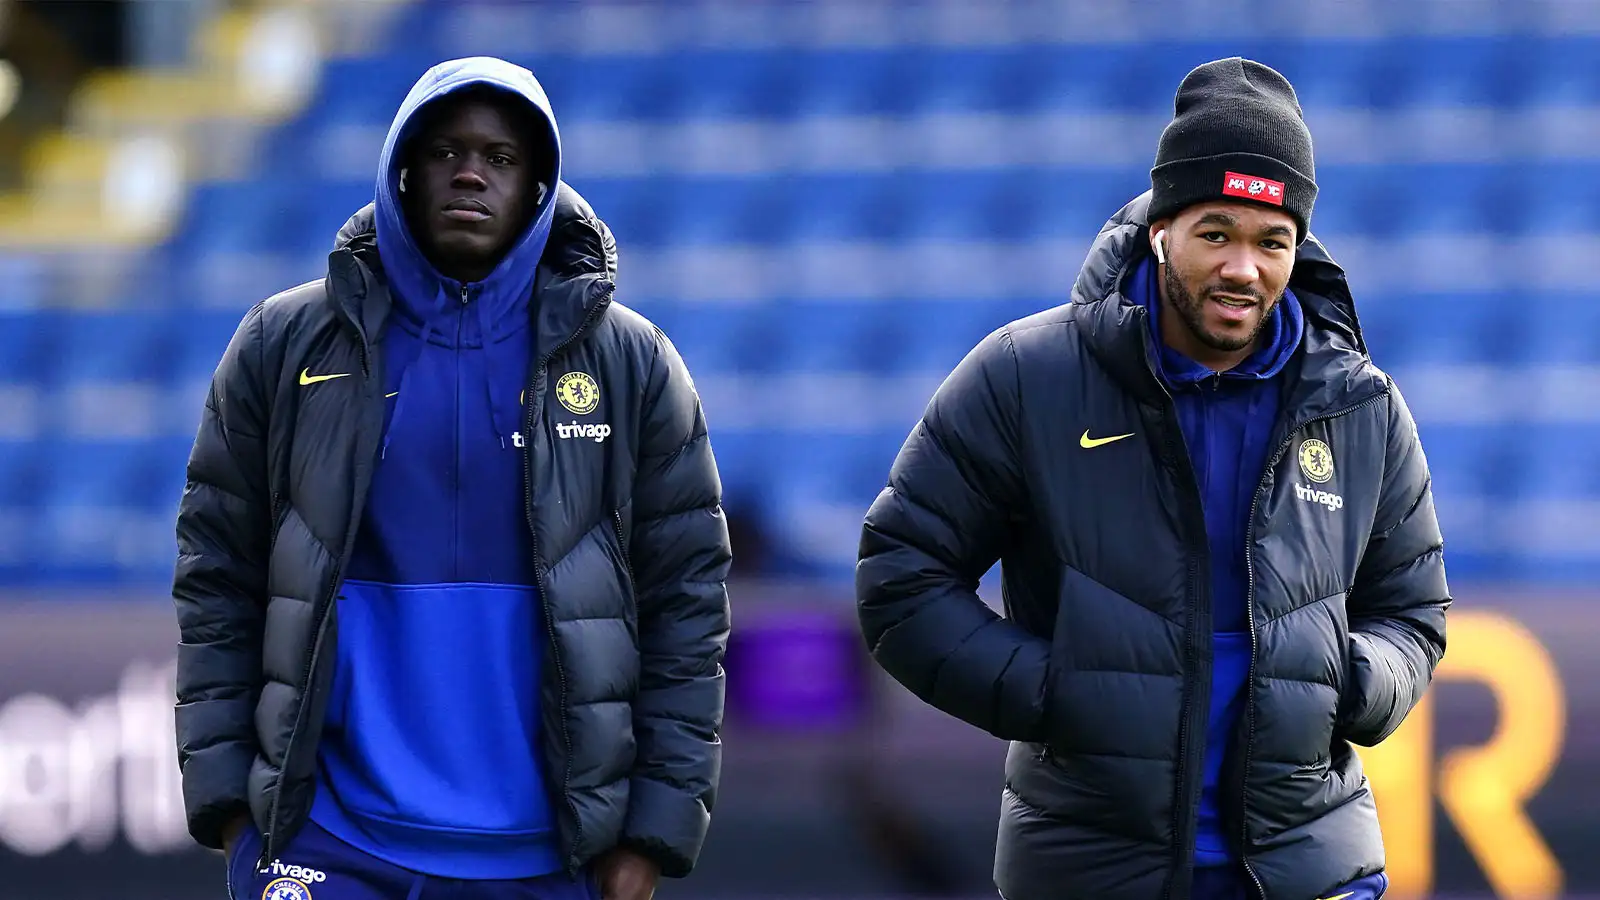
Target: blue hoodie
{"points": [[429, 757], [1227, 423]]}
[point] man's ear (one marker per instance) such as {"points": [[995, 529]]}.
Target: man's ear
{"points": [[1158, 239]]}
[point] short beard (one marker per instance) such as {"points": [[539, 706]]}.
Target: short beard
{"points": [[1190, 310]]}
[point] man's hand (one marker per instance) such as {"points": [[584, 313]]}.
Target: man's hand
{"points": [[626, 875], [231, 832]]}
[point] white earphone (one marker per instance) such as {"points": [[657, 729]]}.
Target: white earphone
{"points": [[1160, 245], [403, 181]]}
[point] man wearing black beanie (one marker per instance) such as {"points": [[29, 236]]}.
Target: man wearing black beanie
{"points": [[1221, 564]]}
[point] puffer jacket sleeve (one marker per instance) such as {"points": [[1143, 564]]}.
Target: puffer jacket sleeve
{"points": [[680, 552], [1397, 606], [220, 589], [934, 530]]}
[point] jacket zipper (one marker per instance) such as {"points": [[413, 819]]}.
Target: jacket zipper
{"points": [[272, 538], [1191, 647], [538, 565], [622, 543], [1250, 618], [1191, 664], [321, 619], [319, 622]]}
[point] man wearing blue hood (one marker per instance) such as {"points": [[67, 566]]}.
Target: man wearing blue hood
{"points": [[1221, 562], [452, 563]]}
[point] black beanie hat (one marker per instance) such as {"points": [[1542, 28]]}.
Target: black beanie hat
{"points": [[1237, 133]]}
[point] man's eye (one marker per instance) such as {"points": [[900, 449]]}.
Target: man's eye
{"points": [[500, 159], [443, 153], [1214, 236]]}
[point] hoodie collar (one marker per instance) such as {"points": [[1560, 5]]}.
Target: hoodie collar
{"points": [[1283, 333], [574, 280]]}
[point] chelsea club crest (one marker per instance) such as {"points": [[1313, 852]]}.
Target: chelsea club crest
{"points": [[286, 889], [1316, 460]]}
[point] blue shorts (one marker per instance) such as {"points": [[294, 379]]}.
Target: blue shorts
{"points": [[318, 866], [1231, 883]]}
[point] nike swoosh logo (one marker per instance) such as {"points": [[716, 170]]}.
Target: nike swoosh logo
{"points": [[395, 394], [307, 378], [1089, 443], [1341, 896]]}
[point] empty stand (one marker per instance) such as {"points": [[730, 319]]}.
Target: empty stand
{"points": [[826, 226]]}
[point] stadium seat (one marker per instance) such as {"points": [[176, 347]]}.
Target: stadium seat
{"points": [[30, 342], [844, 83], [26, 277], [750, 230], [21, 501], [1554, 72], [708, 336], [823, 485], [118, 346], [22, 465]]}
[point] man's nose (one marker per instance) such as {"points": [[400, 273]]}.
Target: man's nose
{"points": [[1241, 267], [468, 175]]}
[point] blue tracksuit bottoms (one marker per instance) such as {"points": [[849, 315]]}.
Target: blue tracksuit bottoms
{"points": [[319, 866], [1232, 883]]}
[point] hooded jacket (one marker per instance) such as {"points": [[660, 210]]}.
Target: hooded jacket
{"points": [[626, 545], [1100, 671]]}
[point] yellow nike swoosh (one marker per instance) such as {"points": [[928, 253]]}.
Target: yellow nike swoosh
{"points": [[1341, 896], [395, 394], [307, 378], [1089, 443]]}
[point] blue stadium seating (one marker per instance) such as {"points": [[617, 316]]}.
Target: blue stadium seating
{"points": [[767, 339], [28, 344]]}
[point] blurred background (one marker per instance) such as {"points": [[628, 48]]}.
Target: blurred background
{"points": [[825, 205]]}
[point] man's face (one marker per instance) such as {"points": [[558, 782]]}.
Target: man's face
{"points": [[1227, 267], [470, 185]]}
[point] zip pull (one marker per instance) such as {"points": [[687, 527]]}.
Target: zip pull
{"points": [[464, 298]]}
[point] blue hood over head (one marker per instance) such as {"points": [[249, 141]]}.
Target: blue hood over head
{"points": [[419, 292], [413, 279]]}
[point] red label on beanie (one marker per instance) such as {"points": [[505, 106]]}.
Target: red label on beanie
{"points": [[1252, 188]]}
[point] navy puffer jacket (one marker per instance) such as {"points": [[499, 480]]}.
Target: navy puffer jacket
{"points": [[628, 538], [1100, 669]]}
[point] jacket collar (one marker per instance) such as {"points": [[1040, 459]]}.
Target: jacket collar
{"points": [[1332, 371], [575, 276]]}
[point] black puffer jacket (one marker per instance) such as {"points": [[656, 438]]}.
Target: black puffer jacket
{"points": [[628, 537], [1100, 670]]}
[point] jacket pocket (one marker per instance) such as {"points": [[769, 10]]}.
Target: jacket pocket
{"points": [[1086, 656], [1343, 683]]}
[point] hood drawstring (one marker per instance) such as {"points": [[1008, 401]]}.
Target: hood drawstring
{"points": [[405, 380], [498, 408], [504, 422]]}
